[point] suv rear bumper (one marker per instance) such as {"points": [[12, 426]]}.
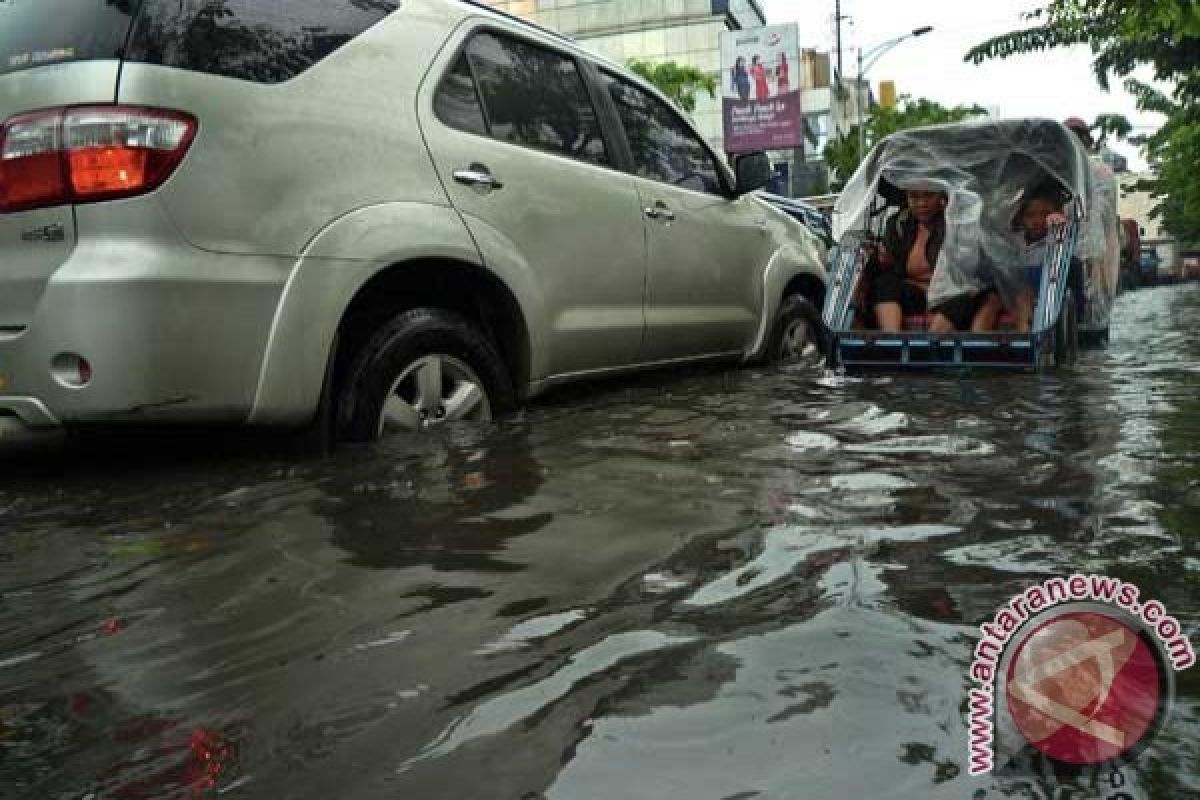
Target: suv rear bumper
{"points": [[30, 412], [25, 421], [171, 333]]}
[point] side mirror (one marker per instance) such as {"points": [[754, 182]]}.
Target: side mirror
{"points": [[753, 171]]}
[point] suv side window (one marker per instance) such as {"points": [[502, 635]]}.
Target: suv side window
{"points": [[532, 97], [457, 103], [664, 149], [266, 41]]}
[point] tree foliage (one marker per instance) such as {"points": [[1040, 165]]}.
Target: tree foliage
{"points": [[1115, 125], [842, 154], [679, 82], [1123, 35]]}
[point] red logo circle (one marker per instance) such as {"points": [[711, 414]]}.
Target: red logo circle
{"points": [[1084, 688]]}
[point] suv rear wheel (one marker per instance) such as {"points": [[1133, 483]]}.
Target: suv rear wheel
{"points": [[423, 368]]}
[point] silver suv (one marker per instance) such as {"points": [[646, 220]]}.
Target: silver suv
{"points": [[363, 213]]}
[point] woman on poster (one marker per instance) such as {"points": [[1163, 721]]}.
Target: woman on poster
{"points": [[757, 71], [741, 79]]}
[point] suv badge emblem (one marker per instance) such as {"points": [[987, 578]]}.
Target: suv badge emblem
{"points": [[50, 233]]}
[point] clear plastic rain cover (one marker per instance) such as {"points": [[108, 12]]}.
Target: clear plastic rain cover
{"points": [[986, 168], [1100, 247]]}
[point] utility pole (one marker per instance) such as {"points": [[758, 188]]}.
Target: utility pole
{"points": [[858, 111], [839, 90], [837, 22]]}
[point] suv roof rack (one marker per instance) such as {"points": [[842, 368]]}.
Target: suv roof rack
{"points": [[521, 20]]}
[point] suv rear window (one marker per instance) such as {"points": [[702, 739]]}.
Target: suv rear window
{"points": [[34, 33], [533, 97], [267, 41]]}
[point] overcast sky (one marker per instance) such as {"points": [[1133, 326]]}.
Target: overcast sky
{"points": [[1057, 83]]}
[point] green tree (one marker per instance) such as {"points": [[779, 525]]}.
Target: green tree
{"points": [[679, 82], [842, 154], [1123, 35], [1106, 125]]}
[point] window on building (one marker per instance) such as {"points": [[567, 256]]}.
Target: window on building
{"points": [[664, 149], [533, 97]]}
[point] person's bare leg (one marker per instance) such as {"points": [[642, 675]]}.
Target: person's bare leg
{"points": [[1024, 311], [940, 323], [988, 313], [890, 317]]}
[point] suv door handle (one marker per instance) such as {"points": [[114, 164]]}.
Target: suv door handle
{"points": [[478, 176], [659, 211]]}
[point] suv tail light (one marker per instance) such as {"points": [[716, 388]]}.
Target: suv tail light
{"points": [[87, 153]]}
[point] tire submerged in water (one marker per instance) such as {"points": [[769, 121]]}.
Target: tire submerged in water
{"points": [[422, 368]]}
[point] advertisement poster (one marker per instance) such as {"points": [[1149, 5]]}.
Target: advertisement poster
{"points": [[760, 89]]}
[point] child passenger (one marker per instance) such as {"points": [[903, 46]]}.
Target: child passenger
{"points": [[1042, 209]]}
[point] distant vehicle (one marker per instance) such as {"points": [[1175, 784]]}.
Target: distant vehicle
{"points": [[1149, 262], [812, 217], [358, 216], [1189, 269], [1131, 248]]}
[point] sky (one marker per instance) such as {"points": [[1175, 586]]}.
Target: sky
{"points": [[1056, 83]]}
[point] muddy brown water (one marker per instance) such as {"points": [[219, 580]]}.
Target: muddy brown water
{"points": [[745, 584]]}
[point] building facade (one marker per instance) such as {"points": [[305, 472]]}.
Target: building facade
{"points": [[1136, 204]]}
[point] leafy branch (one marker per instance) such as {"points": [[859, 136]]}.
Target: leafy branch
{"points": [[679, 82]]}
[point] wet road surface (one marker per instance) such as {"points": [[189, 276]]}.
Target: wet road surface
{"points": [[748, 584]]}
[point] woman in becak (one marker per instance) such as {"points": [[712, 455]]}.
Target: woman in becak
{"points": [[903, 267]]}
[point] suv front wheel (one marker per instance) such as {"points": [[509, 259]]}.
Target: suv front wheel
{"points": [[423, 368], [797, 337]]}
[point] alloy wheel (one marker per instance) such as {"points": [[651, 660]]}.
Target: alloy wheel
{"points": [[796, 343], [432, 391]]}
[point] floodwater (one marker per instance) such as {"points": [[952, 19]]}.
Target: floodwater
{"points": [[747, 584]]}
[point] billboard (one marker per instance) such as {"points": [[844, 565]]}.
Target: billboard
{"points": [[760, 89]]}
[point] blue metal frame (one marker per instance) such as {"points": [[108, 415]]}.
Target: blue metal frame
{"points": [[922, 349]]}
